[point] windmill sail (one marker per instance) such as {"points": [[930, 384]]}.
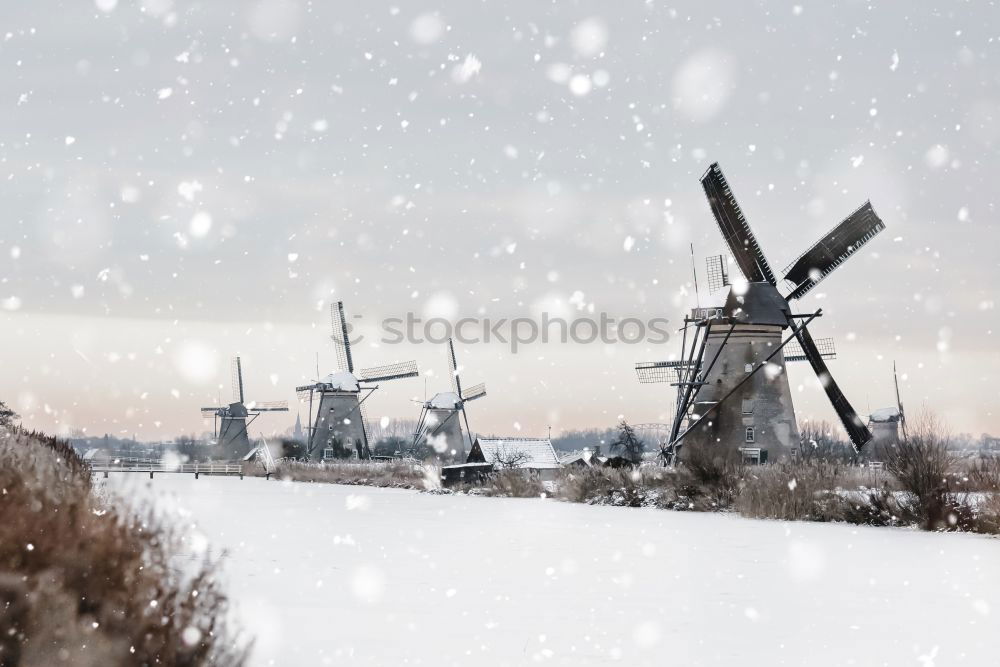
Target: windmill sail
{"points": [[476, 391], [237, 371], [856, 430], [396, 371], [340, 337], [825, 346], [718, 276], [456, 383], [833, 249], [652, 372], [735, 230]]}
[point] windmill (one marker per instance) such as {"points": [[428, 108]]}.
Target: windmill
{"points": [[231, 421], [440, 423], [339, 424], [722, 397]]}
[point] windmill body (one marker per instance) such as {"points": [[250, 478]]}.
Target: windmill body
{"points": [[441, 417], [339, 424], [732, 388], [336, 402], [231, 421], [758, 414], [442, 421], [233, 440]]}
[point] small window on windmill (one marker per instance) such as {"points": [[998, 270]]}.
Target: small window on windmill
{"points": [[748, 368], [750, 434], [748, 406]]}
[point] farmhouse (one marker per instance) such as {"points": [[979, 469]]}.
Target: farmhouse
{"points": [[534, 454]]}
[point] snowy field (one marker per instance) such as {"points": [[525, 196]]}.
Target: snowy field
{"points": [[326, 574]]}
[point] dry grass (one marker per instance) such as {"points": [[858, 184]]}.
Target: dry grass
{"points": [[645, 486], [809, 491], [87, 584], [512, 483], [394, 474]]}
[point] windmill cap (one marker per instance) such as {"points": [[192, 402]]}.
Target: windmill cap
{"points": [[757, 303], [447, 400], [885, 415], [341, 381]]}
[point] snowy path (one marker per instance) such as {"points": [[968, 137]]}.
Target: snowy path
{"points": [[328, 574]]}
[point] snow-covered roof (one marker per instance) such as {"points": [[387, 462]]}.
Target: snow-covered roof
{"points": [[586, 456], [341, 381], [885, 415], [538, 450], [447, 400]]}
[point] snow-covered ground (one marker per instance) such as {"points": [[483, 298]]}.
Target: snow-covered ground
{"points": [[326, 574]]}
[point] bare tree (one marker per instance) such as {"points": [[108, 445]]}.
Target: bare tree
{"points": [[819, 442], [509, 457], [628, 443]]}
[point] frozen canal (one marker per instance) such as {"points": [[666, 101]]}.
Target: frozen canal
{"points": [[326, 574]]}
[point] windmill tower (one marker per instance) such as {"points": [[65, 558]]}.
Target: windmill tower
{"points": [[723, 398], [231, 421], [339, 425], [440, 423]]}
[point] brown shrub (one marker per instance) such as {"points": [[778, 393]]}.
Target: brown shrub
{"points": [[97, 585]]}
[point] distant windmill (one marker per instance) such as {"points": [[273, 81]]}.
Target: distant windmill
{"points": [[231, 420], [722, 398], [440, 423], [339, 423]]}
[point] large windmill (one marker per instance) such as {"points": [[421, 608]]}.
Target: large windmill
{"points": [[339, 424], [231, 420], [723, 399], [440, 423]]}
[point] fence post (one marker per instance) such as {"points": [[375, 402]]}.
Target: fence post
{"points": [[196, 474], [105, 474], [151, 474]]}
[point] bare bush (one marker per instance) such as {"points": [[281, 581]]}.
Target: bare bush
{"points": [[96, 586], [923, 465]]}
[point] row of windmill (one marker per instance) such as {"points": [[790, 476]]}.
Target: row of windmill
{"points": [[721, 394], [338, 419]]}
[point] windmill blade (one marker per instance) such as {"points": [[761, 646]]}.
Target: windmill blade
{"points": [[305, 389], [833, 249], [793, 352], [476, 391], [364, 427], [341, 340], [735, 230], [269, 406], [718, 276], [209, 412], [237, 377], [652, 372], [396, 371], [855, 428], [456, 383]]}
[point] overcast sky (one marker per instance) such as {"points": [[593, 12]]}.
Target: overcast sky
{"points": [[183, 181]]}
